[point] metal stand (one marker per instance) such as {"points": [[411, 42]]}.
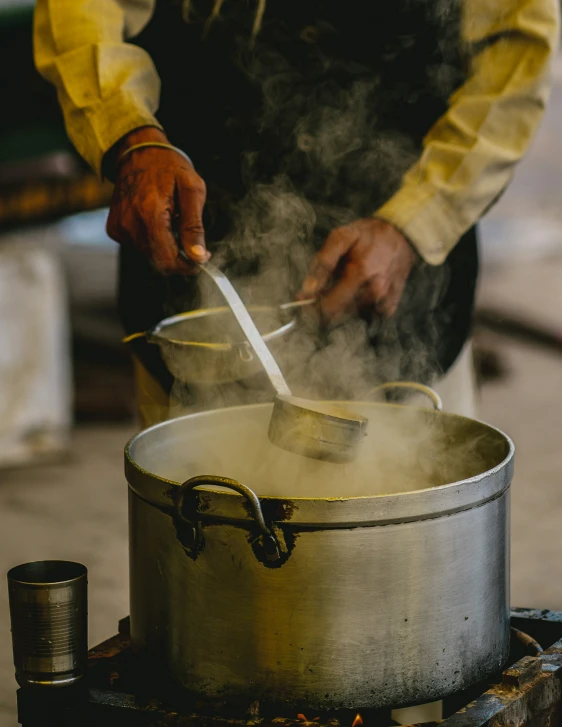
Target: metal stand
{"points": [[123, 691], [53, 707]]}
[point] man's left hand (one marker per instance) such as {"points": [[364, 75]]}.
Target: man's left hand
{"points": [[368, 263]]}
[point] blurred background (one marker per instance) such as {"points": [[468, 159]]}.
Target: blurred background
{"points": [[66, 390]]}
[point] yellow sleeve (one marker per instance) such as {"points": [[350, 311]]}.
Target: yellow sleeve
{"points": [[106, 87], [470, 153]]}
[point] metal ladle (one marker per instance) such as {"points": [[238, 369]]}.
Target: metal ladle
{"points": [[313, 429]]}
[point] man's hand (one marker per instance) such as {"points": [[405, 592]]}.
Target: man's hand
{"points": [[154, 189], [368, 262]]}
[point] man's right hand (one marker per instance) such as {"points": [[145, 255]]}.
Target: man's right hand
{"points": [[155, 188]]}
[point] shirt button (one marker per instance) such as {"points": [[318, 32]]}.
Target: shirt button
{"points": [[438, 248], [309, 34]]}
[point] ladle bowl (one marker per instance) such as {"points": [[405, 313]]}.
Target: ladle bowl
{"points": [[316, 429], [301, 426]]}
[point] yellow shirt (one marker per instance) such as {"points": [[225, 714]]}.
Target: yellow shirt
{"points": [[108, 87]]}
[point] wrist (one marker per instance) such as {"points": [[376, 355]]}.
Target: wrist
{"points": [[400, 233], [141, 135]]}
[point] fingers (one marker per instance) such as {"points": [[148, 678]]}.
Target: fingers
{"points": [[161, 241], [388, 304], [359, 272], [381, 295], [342, 296], [371, 261], [148, 228], [155, 188], [115, 228], [338, 244], [190, 199]]}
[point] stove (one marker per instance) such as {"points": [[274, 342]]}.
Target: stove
{"points": [[123, 690]]}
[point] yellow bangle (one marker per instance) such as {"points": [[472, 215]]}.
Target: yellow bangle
{"points": [[157, 144]]}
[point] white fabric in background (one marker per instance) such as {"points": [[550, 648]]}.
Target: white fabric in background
{"points": [[457, 388], [35, 369]]}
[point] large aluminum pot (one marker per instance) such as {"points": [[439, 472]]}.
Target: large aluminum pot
{"points": [[379, 583]]}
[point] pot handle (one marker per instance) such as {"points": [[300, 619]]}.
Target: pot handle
{"points": [[133, 337], [428, 391], [271, 548]]}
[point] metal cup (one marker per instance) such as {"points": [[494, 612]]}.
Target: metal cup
{"points": [[49, 614]]}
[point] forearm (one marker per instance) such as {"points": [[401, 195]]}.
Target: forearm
{"points": [[106, 87], [470, 154]]}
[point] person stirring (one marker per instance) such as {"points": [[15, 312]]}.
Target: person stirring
{"points": [[408, 116]]}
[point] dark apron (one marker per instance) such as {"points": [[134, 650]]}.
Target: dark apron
{"points": [[311, 126]]}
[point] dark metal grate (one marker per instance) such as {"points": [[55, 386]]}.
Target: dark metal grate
{"points": [[125, 691]]}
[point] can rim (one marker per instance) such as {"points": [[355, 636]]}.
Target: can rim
{"points": [[46, 571]]}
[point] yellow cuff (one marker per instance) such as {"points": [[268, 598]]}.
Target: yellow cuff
{"points": [[119, 116], [426, 220]]}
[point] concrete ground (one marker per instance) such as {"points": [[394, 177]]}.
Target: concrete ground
{"points": [[527, 405], [77, 509]]}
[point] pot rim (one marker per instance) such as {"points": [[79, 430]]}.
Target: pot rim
{"points": [[333, 512]]}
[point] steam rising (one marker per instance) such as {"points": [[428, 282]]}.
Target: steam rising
{"points": [[406, 449], [334, 156]]}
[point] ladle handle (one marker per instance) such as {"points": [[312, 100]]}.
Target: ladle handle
{"points": [[248, 328], [428, 391]]}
